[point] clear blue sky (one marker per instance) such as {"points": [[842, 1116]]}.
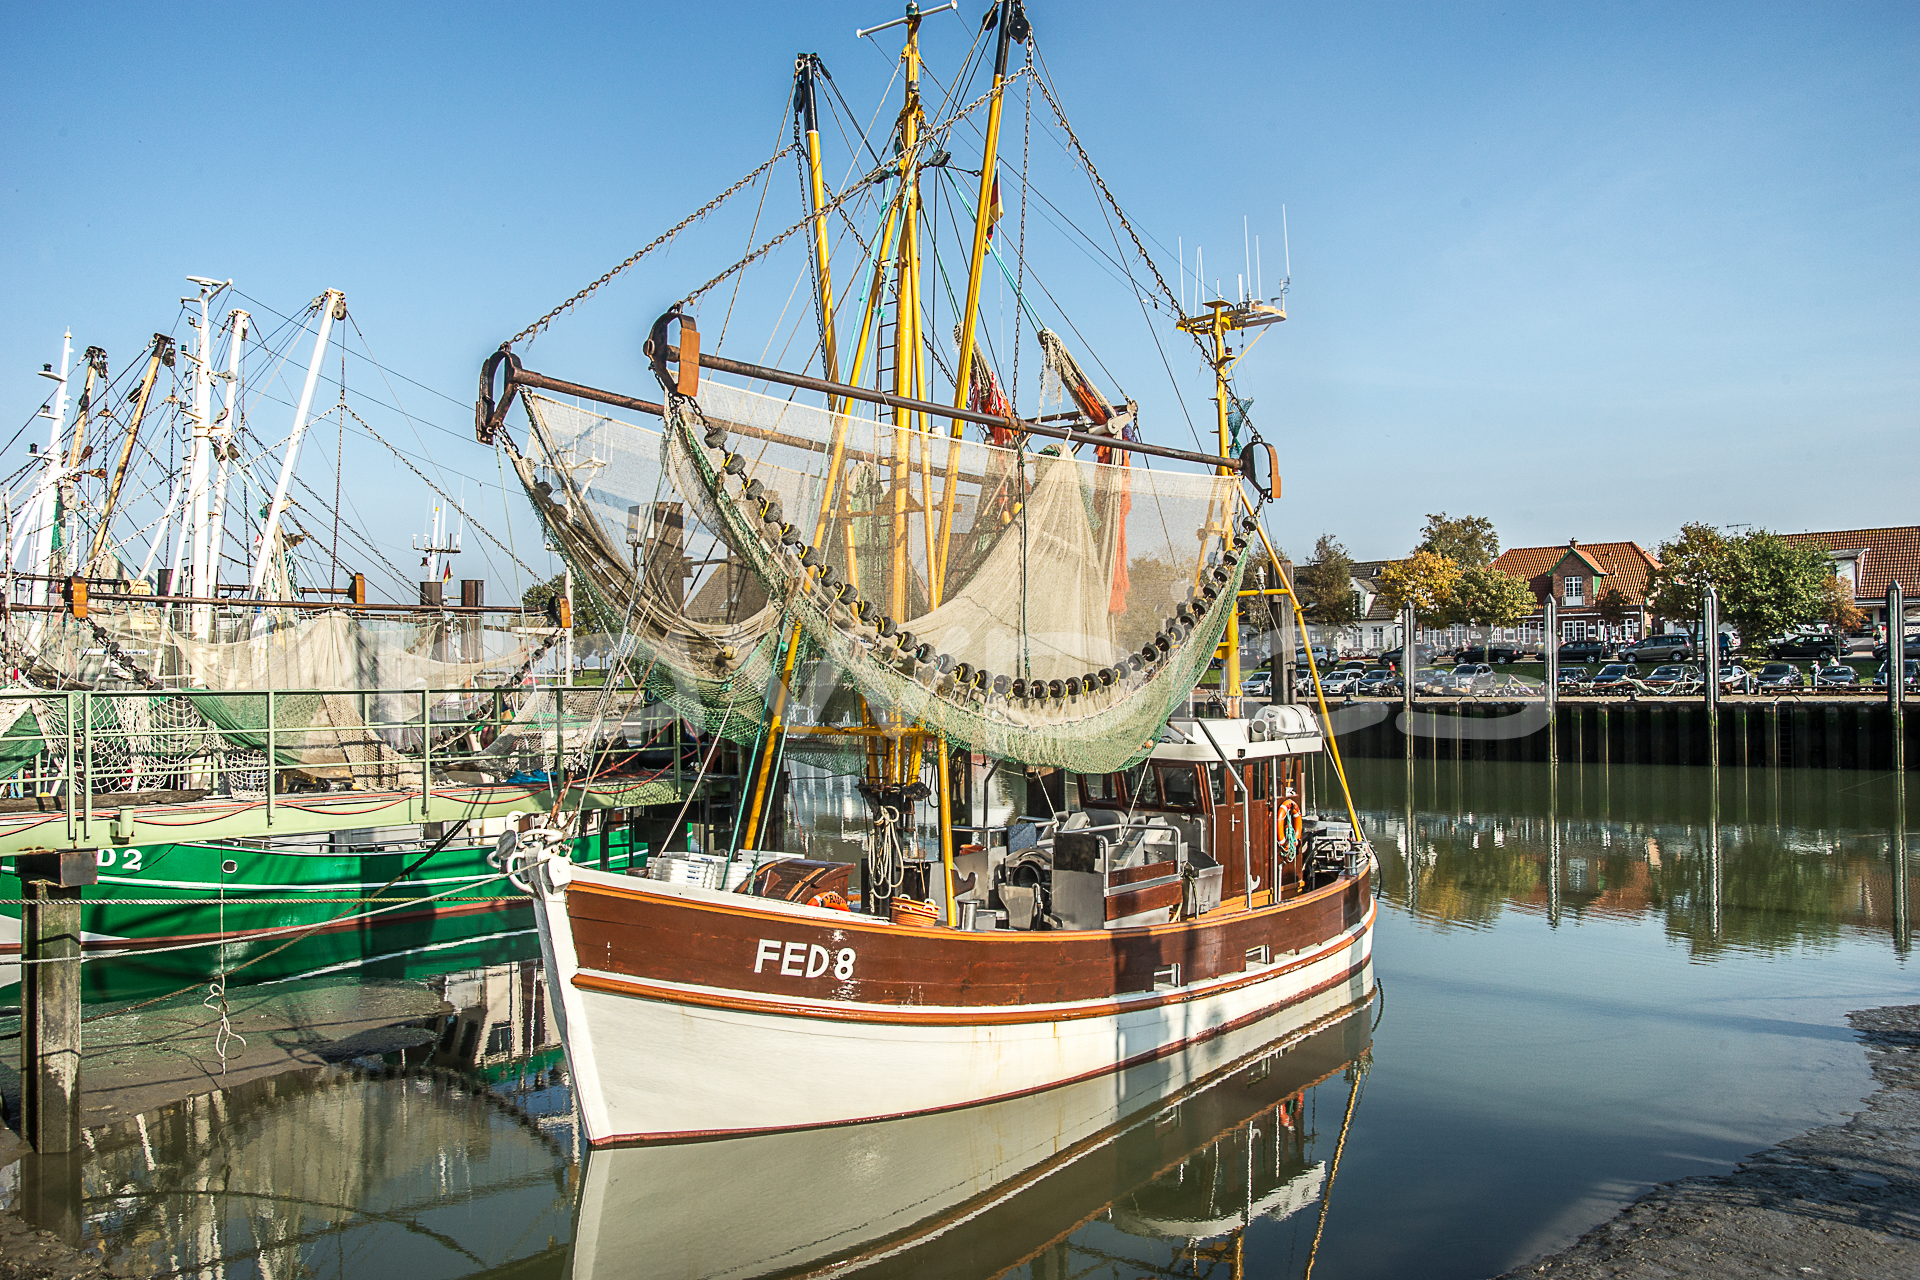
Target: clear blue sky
{"points": [[1591, 271]]}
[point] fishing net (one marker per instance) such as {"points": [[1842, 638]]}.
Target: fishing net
{"points": [[689, 620], [1043, 608]]}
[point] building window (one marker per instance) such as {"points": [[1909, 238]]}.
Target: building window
{"points": [[1576, 589]]}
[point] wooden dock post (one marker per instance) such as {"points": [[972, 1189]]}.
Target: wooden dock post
{"points": [[50, 996], [1550, 651], [1897, 671], [1711, 641]]}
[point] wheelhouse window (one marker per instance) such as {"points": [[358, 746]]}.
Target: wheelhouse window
{"points": [[1179, 787], [1576, 589], [1101, 790]]}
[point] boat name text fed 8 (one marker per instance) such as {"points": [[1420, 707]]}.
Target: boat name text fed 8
{"points": [[792, 956]]}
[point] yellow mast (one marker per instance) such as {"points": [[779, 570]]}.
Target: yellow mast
{"points": [[162, 351], [806, 116], [1012, 22], [1222, 318]]}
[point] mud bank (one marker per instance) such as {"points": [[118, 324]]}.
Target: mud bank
{"points": [[1843, 1200]]}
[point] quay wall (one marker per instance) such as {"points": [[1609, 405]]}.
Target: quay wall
{"points": [[1826, 734]]}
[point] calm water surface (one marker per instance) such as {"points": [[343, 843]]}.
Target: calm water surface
{"points": [[1591, 979]]}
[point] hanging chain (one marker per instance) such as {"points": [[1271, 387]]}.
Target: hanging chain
{"points": [[1120, 213], [405, 461], [833, 205], [537, 326], [1020, 278]]}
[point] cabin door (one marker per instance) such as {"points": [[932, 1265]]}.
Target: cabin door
{"points": [[1257, 777], [1229, 835]]}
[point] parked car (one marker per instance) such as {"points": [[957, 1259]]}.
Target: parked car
{"points": [[1431, 681], [1257, 685], [1615, 677], [1913, 674], [1379, 682], [1737, 679], [1675, 677], [1422, 653], [1575, 680], [1471, 677], [1352, 664], [1780, 675], [1488, 653], [1836, 676], [1885, 647], [1340, 683], [1585, 651], [1658, 649], [1807, 644]]}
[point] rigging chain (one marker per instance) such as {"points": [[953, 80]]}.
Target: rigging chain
{"points": [[1120, 213], [464, 515], [534, 329], [854, 189]]}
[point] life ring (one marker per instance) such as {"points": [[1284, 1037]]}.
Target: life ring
{"points": [[1290, 842], [830, 900]]}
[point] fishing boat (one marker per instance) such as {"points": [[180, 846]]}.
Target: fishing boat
{"points": [[275, 773], [934, 596], [1194, 1149]]}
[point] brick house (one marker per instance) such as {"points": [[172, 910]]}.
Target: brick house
{"points": [[1577, 575], [1871, 560]]}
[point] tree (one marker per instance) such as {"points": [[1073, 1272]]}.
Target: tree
{"points": [[1614, 606], [1468, 541], [1489, 597], [1768, 584], [1689, 562], [1325, 586], [1425, 580], [1838, 610], [588, 617]]}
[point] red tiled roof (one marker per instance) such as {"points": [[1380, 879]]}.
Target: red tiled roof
{"points": [[1889, 553], [1626, 564]]}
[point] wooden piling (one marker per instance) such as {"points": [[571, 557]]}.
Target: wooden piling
{"points": [[50, 1012]]}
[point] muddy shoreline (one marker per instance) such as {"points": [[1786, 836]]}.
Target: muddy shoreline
{"points": [[1841, 1200]]}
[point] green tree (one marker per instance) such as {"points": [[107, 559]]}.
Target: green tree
{"points": [[1325, 586], [1614, 606], [1425, 580], [1689, 562], [1768, 584], [1468, 541], [1489, 597], [588, 617]]}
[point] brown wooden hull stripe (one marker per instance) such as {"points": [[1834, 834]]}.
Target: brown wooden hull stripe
{"points": [[1138, 1059], [855, 922], [996, 1016]]}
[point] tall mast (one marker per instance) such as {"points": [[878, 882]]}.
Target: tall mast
{"points": [[96, 362], [199, 465], [333, 304], [42, 503], [1012, 21], [225, 432], [1220, 319], [806, 127], [162, 352]]}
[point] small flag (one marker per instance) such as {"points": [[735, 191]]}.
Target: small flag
{"points": [[446, 574], [995, 210]]}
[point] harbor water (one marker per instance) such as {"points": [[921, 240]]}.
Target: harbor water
{"points": [[1590, 979]]}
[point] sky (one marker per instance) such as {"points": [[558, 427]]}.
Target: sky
{"points": [[1591, 271]]}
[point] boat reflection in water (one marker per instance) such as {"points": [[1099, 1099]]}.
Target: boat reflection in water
{"points": [[450, 1159], [1173, 1159]]}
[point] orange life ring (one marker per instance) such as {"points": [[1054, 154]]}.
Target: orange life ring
{"points": [[830, 900], [1291, 843]]}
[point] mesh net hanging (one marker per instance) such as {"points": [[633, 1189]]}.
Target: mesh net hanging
{"points": [[1039, 607], [700, 630]]}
